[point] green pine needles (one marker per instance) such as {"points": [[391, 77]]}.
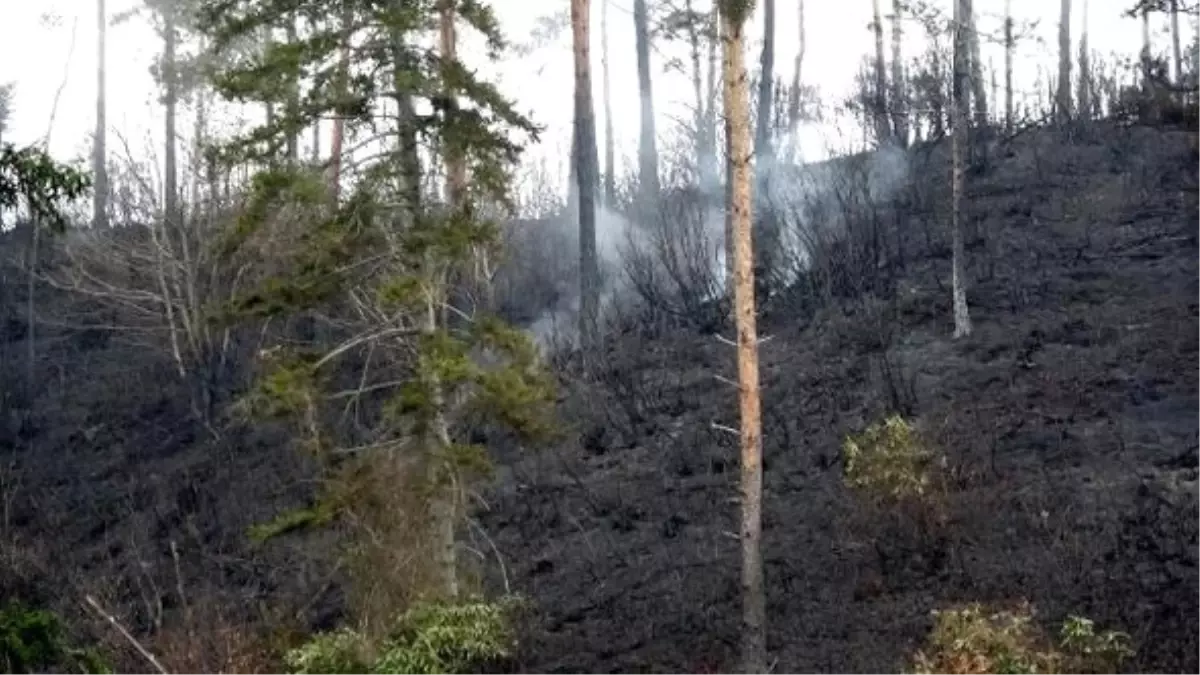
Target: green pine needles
{"points": [[357, 273], [428, 638]]}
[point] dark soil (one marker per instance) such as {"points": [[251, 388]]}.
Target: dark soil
{"points": [[1068, 420]]}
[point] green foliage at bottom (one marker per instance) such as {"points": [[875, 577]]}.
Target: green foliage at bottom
{"points": [[428, 638], [34, 640], [972, 639]]}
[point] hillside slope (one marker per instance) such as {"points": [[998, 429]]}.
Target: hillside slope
{"points": [[1070, 418]]}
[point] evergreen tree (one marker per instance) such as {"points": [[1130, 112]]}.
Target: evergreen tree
{"points": [[389, 394]]}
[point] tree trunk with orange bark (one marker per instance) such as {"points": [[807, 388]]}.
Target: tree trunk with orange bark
{"points": [[737, 110]]}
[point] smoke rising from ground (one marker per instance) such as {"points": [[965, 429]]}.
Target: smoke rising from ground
{"points": [[808, 197]]}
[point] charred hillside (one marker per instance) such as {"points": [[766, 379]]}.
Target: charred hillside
{"points": [[1067, 422]]}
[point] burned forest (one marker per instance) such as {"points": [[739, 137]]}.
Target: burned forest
{"points": [[781, 337]]}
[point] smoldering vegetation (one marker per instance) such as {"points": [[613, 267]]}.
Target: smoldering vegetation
{"points": [[1083, 256], [1067, 422], [671, 262]]}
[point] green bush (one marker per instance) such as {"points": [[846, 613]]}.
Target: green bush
{"points": [[972, 639], [888, 461], [34, 640], [1094, 652], [428, 638]]}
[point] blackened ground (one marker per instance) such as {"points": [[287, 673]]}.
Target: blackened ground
{"points": [[1069, 420]]}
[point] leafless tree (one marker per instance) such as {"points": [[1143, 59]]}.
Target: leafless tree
{"points": [[1083, 96], [585, 142], [610, 171], [99, 154], [1009, 49], [962, 316], [766, 80], [1062, 99], [879, 102], [899, 91], [648, 180], [978, 86]]}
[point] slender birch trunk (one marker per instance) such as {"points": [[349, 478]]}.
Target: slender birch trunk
{"points": [[960, 112]]}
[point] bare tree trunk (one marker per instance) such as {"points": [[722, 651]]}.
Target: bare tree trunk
{"points": [[444, 506], [729, 257], [171, 103], [1145, 47], [315, 150], [705, 154], [697, 78], [1062, 103], [938, 95], [585, 141], [445, 489], [456, 167], [610, 170], [794, 98], [1009, 48], [199, 132], [293, 103], [647, 140], [710, 106], [338, 136], [573, 174], [960, 112], [899, 90], [31, 316], [728, 154], [1176, 48], [880, 102], [978, 87], [1084, 83], [99, 154], [995, 84], [766, 66], [268, 40], [737, 109]]}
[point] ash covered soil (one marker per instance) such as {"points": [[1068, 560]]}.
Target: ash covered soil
{"points": [[1069, 419]]}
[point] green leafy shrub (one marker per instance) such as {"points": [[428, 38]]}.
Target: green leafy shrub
{"points": [[895, 473], [428, 638], [1094, 652], [888, 461], [34, 640], [973, 639]]}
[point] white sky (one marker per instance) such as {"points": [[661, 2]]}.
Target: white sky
{"points": [[39, 58]]}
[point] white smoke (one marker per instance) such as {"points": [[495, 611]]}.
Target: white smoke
{"points": [[791, 188], [558, 325]]}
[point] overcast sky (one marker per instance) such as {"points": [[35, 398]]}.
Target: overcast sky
{"points": [[39, 57]]}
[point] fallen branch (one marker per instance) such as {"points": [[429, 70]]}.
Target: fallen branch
{"points": [[91, 602]]}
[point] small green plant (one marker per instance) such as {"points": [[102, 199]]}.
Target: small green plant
{"points": [[34, 640], [428, 638], [1094, 652], [973, 639], [888, 461]]}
